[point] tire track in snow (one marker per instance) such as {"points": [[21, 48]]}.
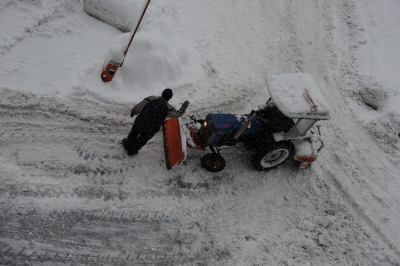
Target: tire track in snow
{"points": [[34, 26], [351, 203], [87, 167], [344, 58], [86, 238]]}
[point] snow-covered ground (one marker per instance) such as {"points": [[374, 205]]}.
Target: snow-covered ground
{"points": [[69, 194]]}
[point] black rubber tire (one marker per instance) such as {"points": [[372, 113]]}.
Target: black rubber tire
{"points": [[213, 162], [271, 156]]}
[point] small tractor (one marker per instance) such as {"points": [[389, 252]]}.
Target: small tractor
{"points": [[286, 127]]}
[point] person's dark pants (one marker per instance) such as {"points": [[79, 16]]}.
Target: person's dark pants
{"points": [[138, 137], [140, 134]]}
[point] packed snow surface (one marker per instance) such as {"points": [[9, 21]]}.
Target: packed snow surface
{"points": [[70, 195]]}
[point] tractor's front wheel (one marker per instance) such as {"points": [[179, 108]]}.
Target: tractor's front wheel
{"points": [[213, 162], [267, 158]]}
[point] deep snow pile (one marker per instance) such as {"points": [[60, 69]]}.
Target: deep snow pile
{"points": [[70, 194], [371, 68], [158, 58]]}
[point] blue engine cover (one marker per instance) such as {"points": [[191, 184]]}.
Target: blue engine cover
{"points": [[225, 124]]}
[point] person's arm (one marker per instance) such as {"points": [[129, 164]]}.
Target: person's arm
{"points": [[139, 107], [175, 114]]}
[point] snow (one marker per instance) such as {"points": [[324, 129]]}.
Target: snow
{"points": [[243, 119], [288, 93], [302, 148], [117, 49], [122, 15], [70, 194], [185, 134]]}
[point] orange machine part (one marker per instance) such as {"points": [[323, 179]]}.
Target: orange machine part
{"points": [[109, 71], [307, 161], [173, 143], [196, 139]]}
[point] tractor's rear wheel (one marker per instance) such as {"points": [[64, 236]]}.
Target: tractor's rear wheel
{"points": [[267, 158], [213, 162]]}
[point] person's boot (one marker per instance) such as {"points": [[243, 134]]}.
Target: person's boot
{"points": [[129, 147], [132, 151], [125, 143]]}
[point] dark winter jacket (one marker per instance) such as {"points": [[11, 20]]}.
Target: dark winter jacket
{"points": [[153, 115], [172, 113]]}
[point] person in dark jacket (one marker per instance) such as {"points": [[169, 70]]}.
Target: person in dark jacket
{"points": [[152, 112], [272, 120]]}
